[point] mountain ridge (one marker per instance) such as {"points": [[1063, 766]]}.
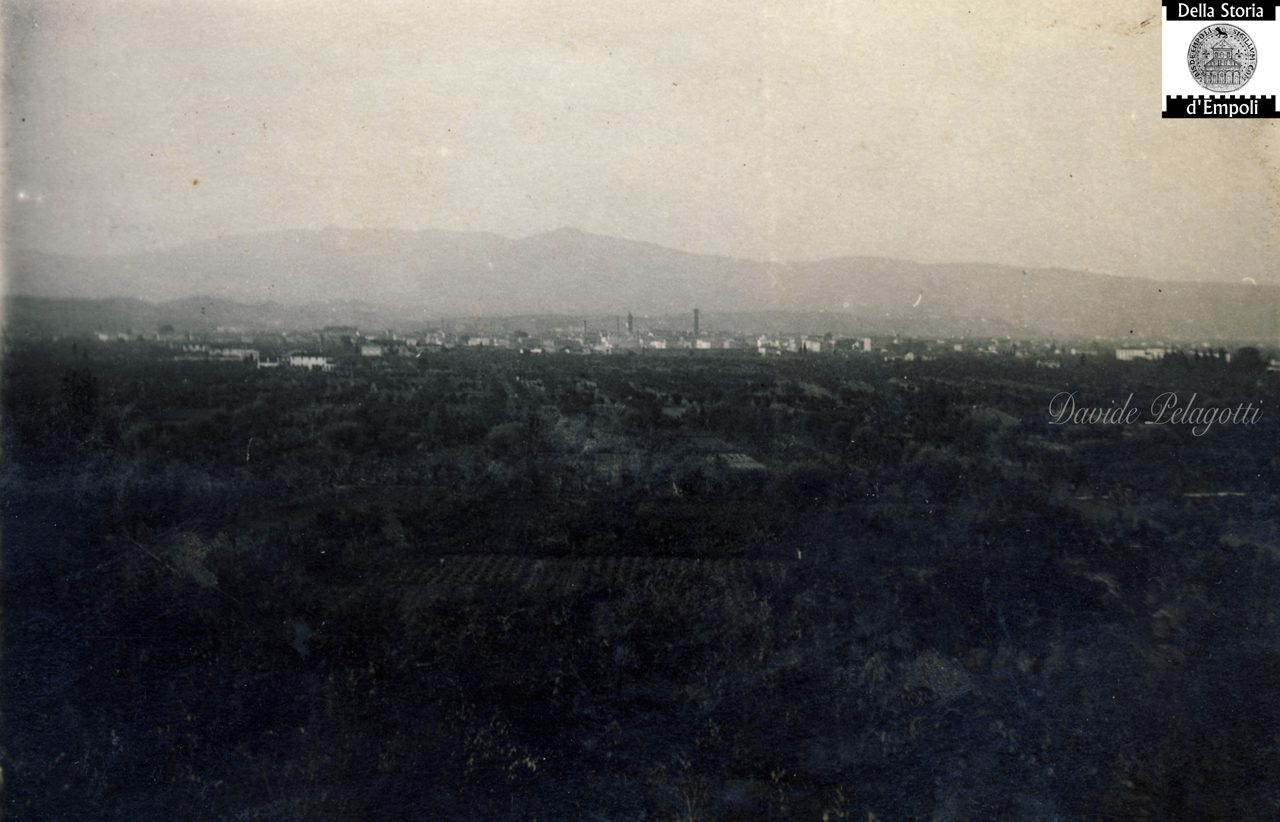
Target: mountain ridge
{"points": [[567, 271]]}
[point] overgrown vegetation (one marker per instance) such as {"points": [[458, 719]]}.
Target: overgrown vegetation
{"points": [[484, 586]]}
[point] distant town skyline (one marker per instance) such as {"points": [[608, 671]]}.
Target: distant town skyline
{"points": [[790, 132]]}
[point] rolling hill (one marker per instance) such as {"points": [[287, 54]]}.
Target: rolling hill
{"points": [[424, 274]]}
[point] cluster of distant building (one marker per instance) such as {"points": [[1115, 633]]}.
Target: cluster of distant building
{"points": [[1202, 353], [325, 352], [326, 348], [207, 352]]}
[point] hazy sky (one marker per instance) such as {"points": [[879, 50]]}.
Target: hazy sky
{"points": [[1007, 132]]}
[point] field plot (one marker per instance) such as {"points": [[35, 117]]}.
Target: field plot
{"points": [[503, 575]]}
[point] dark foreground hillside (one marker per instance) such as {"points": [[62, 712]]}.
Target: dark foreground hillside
{"points": [[480, 586]]}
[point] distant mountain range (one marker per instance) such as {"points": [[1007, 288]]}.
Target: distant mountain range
{"points": [[305, 278]]}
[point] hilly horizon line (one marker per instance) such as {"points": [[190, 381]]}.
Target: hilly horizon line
{"points": [[567, 231], [405, 273]]}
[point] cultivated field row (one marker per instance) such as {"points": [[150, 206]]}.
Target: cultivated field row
{"points": [[441, 576]]}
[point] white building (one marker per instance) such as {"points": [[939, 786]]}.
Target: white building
{"points": [[311, 361], [1131, 354], [238, 354]]}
